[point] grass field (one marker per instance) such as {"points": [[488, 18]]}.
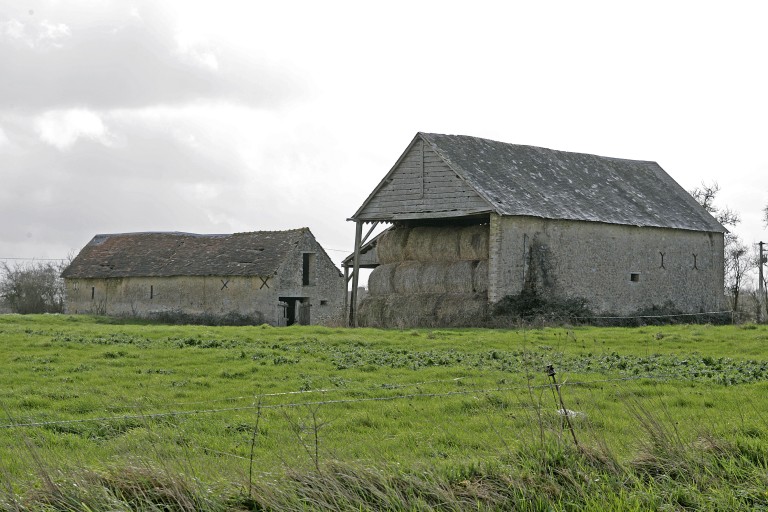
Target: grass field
{"points": [[106, 414]]}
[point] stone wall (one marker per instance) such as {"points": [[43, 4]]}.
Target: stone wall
{"points": [[618, 269], [249, 296]]}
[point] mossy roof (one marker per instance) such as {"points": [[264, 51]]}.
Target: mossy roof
{"points": [[166, 254]]}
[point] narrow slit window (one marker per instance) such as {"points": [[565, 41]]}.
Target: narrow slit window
{"points": [[151, 291], [662, 259], [93, 292], [308, 269], [634, 277]]}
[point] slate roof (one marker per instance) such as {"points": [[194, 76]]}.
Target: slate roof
{"points": [[551, 184], [257, 253]]}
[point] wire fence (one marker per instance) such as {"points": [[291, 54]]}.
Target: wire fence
{"points": [[257, 401]]}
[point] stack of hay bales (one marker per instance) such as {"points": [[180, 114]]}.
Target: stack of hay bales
{"points": [[428, 276]]}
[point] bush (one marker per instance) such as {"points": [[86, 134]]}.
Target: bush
{"points": [[529, 305], [35, 287], [182, 318]]}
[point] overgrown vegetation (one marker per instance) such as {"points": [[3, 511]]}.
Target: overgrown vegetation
{"points": [[530, 305], [183, 318], [33, 287], [109, 414], [532, 308]]}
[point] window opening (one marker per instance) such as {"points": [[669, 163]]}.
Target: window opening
{"points": [[308, 269], [93, 292], [151, 291], [634, 277], [662, 259]]}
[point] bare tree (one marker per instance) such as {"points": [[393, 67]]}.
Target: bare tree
{"points": [[738, 262], [34, 287], [706, 194], [737, 265]]}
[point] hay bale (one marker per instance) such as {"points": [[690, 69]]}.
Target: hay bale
{"points": [[424, 310], [447, 243], [390, 248], [406, 277], [461, 310], [419, 245], [480, 277], [433, 243], [444, 243], [458, 277], [410, 310], [412, 277], [371, 311], [432, 278], [473, 242], [380, 280]]}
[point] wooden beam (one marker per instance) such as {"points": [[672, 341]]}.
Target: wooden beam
{"points": [[355, 274], [346, 290], [365, 238]]}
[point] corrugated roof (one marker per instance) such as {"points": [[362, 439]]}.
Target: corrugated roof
{"points": [[551, 184], [257, 253]]}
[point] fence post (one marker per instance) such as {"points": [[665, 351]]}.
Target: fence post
{"points": [[551, 373]]}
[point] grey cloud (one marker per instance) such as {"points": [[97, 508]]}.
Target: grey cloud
{"points": [[64, 196], [125, 62]]}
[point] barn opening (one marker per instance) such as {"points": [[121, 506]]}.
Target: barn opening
{"points": [[296, 310]]}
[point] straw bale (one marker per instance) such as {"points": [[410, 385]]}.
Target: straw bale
{"points": [[431, 278], [411, 277], [407, 277], [433, 243], [419, 245], [444, 244], [371, 311], [380, 279], [480, 277], [461, 309], [458, 276], [390, 248], [473, 242], [424, 310]]}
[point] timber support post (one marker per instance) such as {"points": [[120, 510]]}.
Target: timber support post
{"points": [[355, 274], [761, 284]]}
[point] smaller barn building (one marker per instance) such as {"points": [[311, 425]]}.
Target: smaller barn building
{"points": [[274, 277]]}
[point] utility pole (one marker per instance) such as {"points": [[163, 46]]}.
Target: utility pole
{"points": [[761, 284]]}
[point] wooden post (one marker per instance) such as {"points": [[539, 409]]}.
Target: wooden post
{"points": [[761, 285], [355, 274], [346, 295]]}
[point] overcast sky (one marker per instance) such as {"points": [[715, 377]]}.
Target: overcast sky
{"points": [[218, 116]]}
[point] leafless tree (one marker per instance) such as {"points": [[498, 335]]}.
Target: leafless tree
{"points": [[33, 287], [738, 262]]}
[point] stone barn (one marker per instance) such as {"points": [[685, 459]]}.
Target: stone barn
{"points": [[473, 221], [273, 277]]}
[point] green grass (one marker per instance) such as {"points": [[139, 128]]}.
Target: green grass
{"points": [[136, 415]]}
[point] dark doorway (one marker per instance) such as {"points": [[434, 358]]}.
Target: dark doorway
{"points": [[296, 310]]}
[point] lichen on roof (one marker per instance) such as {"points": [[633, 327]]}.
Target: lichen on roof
{"points": [[165, 254]]}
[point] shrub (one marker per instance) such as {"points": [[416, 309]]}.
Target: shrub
{"points": [[182, 318], [34, 287], [530, 305]]}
